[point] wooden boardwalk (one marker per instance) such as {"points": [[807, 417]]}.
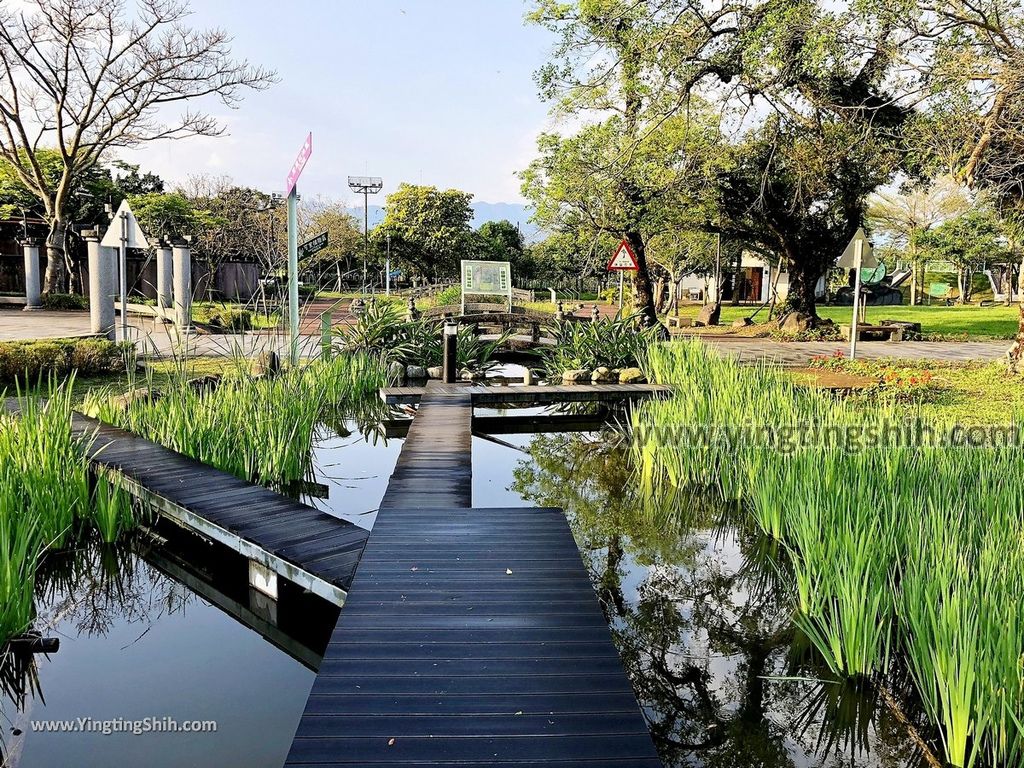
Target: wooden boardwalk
{"points": [[435, 467], [315, 550], [471, 637], [539, 395]]}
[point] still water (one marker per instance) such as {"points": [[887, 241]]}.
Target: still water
{"points": [[695, 601]]}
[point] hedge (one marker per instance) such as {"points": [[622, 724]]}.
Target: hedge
{"points": [[30, 361]]}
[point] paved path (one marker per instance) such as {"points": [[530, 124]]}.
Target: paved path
{"points": [[16, 324], [799, 352]]}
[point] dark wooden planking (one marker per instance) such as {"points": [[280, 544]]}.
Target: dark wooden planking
{"points": [[457, 660], [300, 537]]}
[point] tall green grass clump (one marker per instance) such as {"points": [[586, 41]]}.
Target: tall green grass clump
{"points": [[618, 342], [260, 429], [898, 553], [45, 489]]}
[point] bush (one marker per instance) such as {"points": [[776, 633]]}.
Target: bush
{"points": [[32, 361], [450, 296], [618, 343], [64, 301], [230, 319]]}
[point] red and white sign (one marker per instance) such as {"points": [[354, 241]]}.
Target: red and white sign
{"points": [[298, 165], [624, 259]]}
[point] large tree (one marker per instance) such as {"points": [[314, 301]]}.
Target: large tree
{"points": [[614, 173], [428, 228], [91, 77]]}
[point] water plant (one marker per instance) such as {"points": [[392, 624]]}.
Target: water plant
{"points": [[258, 428], [45, 490], [898, 553], [618, 342]]}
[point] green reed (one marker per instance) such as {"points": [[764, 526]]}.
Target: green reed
{"points": [[896, 553], [45, 488], [258, 428]]}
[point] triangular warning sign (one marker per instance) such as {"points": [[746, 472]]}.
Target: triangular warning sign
{"points": [[868, 258], [624, 259], [127, 228]]}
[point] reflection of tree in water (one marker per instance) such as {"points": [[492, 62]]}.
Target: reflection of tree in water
{"points": [[702, 621], [94, 586]]}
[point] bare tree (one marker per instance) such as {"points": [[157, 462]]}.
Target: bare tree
{"points": [[91, 76]]}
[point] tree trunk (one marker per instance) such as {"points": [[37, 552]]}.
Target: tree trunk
{"points": [[802, 281], [56, 277], [643, 291], [913, 283], [1016, 353]]}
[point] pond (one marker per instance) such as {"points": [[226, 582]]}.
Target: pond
{"points": [[166, 627]]}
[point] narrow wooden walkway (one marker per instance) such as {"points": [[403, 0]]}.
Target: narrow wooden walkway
{"points": [[435, 467], [471, 637], [539, 395], [315, 550]]}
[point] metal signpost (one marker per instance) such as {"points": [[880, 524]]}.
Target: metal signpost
{"points": [[293, 246], [487, 278], [858, 254], [623, 260], [124, 233]]}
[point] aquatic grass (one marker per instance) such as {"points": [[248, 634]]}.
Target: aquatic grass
{"points": [[44, 491], [260, 429], [619, 342], [893, 551]]}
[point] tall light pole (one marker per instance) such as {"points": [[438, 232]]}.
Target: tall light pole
{"points": [[366, 186]]}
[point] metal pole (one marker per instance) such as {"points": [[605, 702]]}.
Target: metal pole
{"points": [[123, 268], [366, 233], [387, 269], [620, 290], [293, 276], [858, 255], [450, 359]]}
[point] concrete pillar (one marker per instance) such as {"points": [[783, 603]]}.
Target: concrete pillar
{"points": [[182, 257], [32, 300], [102, 285], [163, 275]]}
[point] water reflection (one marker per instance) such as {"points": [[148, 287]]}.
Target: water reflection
{"points": [[698, 609], [137, 643]]}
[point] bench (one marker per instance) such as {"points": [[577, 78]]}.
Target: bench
{"points": [[887, 330]]}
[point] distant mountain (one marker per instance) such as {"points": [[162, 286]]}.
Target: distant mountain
{"points": [[482, 212]]}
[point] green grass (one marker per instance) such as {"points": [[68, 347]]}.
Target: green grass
{"points": [[973, 322], [259, 429], [45, 489], [900, 557]]}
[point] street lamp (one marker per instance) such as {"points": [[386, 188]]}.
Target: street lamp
{"points": [[366, 186]]}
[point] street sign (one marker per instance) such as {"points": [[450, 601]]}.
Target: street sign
{"points": [[126, 229], [314, 244], [624, 260], [868, 259], [488, 278], [298, 165]]}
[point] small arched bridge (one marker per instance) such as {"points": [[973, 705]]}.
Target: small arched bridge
{"points": [[525, 327]]}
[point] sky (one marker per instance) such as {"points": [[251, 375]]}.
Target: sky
{"points": [[436, 92]]}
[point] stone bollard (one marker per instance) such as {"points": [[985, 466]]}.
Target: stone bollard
{"points": [[560, 312], [411, 313], [33, 299], [595, 314], [164, 276], [102, 273], [182, 256]]}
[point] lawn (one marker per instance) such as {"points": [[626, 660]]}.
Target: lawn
{"points": [[974, 322]]}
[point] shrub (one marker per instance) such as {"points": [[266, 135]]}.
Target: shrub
{"points": [[31, 361], [64, 301], [450, 296], [231, 319], [618, 343]]}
